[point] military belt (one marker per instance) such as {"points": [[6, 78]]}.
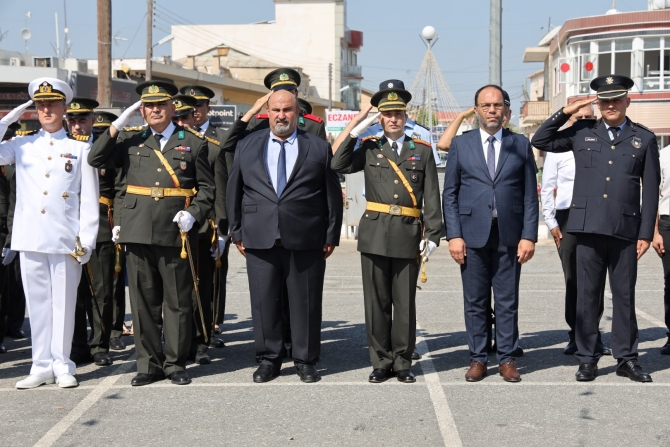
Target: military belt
{"points": [[159, 193], [394, 210], [106, 201]]}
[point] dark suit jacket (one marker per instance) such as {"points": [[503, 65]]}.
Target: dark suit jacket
{"points": [[608, 175], [467, 201], [309, 211]]}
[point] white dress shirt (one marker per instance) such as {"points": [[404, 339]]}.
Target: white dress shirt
{"points": [[204, 127], [399, 142], [559, 173], [664, 199], [272, 156], [166, 134], [497, 143]]}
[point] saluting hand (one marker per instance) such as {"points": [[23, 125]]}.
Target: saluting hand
{"points": [[642, 247], [15, 114], [575, 106], [657, 243]]}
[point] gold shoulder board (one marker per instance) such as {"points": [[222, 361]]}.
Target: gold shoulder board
{"points": [[425, 143], [195, 132], [213, 141]]}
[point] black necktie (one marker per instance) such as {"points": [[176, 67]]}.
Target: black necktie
{"points": [[615, 132], [491, 162], [394, 146], [158, 138]]}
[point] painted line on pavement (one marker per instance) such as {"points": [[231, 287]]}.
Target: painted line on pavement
{"points": [[653, 320], [61, 427], [445, 419]]}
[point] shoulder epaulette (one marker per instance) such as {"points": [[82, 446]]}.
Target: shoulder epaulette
{"points": [[644, 127], [213, 141], [79, 137], [25, 133], [309, 116], [262, 116], [425, 143], [374, 138], [421, 125], [133, 129], [195, 132]]}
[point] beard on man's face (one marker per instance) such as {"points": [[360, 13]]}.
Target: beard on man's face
{"points": [[282, 126]]}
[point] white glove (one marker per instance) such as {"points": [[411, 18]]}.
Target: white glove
{"points": [[364, 125], [116, 233], [216, 254], [8, 256], [15, 114], [87, 257], [432, 246], [122, 120], [184, 220]]}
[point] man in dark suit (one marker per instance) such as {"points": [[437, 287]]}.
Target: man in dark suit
{"points": [[285, 212], [614, 157], [491, 213]]}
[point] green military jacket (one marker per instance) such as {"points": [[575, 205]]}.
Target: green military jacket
{"points": [[145, 219], [385, 234]]}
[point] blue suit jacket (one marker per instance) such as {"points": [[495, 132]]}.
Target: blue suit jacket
{"points": [[467, 201]]}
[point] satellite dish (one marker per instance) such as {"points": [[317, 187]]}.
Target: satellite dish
{"points": [[26, 34], [125, 68], [429, 33]]}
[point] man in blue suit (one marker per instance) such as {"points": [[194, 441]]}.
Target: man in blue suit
{"points": [[491, 212], [285, 208]]}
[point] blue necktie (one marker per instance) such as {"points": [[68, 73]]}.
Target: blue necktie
{"points": [[491, 162], [281, 168]]}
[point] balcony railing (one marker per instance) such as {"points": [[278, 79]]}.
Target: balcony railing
{"points": [[535, 111], [352, 71]]}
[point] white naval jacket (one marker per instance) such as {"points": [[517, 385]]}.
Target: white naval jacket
{"points": [[54, 202]]}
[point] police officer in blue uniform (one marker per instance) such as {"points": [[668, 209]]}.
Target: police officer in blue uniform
{"points": [[616, 165]]}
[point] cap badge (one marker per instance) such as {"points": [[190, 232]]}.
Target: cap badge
{"points": [[75, 106], [610, 80], [100, 119], [192, 92], [637, 142], [390, 85], [177, 104], [45, 87], [283, 77], [153, 89], [393, 96]]}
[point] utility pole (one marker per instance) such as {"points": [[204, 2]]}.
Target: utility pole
{"points": [[330, 86], [495, 43], [104, 53], [150, 48]]}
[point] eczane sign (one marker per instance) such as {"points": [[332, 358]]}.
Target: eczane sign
{"points": [[337, 120]]}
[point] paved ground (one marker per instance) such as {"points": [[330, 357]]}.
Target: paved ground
{"points": [[223, 406]]}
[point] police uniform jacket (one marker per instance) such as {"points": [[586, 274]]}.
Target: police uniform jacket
{"points": [[57, 192], [608, 176], [384, 234], [145, 219]]}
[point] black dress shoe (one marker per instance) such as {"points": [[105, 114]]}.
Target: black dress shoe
{"points": [[265, 373], [102, 359], [633, 371], [586, 372], [570, 348], [665, 350], [216, 343], [416, 356], [3, 350], [16, 333], [202, 358], [142, 379], [379, 375], [405, 376], [602, 349], [180, 378], [307, 373], [518, 352], [116, 344]]}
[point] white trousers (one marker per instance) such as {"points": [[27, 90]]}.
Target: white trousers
{"points": [[50, 284]]}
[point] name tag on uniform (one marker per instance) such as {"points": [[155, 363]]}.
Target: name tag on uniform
{"points": [[70, 156], [182, 149], [590, 139]]}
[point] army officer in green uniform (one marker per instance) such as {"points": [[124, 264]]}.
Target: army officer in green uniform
{"points": [[400, 178], [169, 187]]}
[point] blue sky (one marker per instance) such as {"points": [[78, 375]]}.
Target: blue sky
{"points": [[391, 28]]}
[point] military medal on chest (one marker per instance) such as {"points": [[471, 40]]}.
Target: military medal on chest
{"points": [[68, 166], [637, 142], [182, 165]]}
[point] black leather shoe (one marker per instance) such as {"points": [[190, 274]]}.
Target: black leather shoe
{"points": [[405, 376], [180, 378], [142, 379], [633, 371], [3, 350], [379, 375], [602, 349], [518, 352], [586, 372], [201, 358], [116, 344], [307, 373], [216, 343], [102, 359], [80, 358], [16, 333], [570, 348], [265, 373], [416, 356], [665, 350]]}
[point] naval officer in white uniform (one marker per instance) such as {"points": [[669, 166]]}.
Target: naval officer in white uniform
{"points": [[56, 201]]}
